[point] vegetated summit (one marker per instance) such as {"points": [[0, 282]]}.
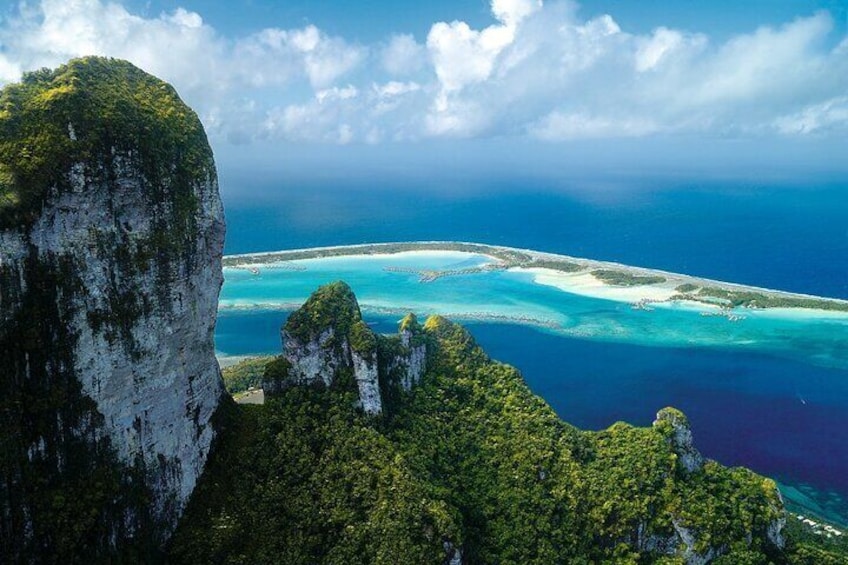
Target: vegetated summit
{"points": [[83, 116]]}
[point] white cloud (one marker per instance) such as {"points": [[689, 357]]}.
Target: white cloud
{"points": [[829, 115], [538, 70], [752, 65], [322, 58], [10, 71], [403, 55], [558, 126], [395, 88], [463, 56], [336, 93], [652, 50], [186, 19], [511, 12]]}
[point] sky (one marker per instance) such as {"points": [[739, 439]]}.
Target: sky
{"points": [[473, 87]]}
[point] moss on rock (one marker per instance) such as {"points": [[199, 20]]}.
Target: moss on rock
{"points": [[60, 127], [331, 306]]}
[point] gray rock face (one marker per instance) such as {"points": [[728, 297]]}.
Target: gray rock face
{"points": [[453, 554], [317, 359], [774, 532], [367, 381], [323, 357], [326, 340], [680, 437], [111, 233], [415, 363], [688, 539], [138, 319]]}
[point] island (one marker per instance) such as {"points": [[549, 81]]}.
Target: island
{"points": [[639, 286]]}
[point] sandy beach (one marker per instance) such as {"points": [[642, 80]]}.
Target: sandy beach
{"points": [[585, 284]]}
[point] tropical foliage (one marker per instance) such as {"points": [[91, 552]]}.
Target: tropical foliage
{"points": [[78, 120], [472, 459], [245, 374]]}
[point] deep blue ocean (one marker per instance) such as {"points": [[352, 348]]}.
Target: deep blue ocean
{"points": [[782, 417]]}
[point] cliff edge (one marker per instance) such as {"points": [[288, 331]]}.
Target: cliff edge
{"points": [[111, 233]]}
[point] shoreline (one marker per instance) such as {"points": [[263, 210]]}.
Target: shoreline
{"points": [[588, 277]]}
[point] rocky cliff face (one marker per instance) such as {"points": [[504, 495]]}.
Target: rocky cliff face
{"points": [[326, 342], [111, 232], [676, 427], [411, 361]]}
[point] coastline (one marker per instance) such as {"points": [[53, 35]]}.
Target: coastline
{"points": [[639, 286]]}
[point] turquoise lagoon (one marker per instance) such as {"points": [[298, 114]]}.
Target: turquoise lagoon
{"points": [[769, 391]]}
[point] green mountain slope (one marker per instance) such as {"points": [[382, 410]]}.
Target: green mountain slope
{"points": [[466, 467]]}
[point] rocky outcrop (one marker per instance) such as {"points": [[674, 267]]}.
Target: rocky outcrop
{"points": [[326, 342], [453, 553], [111, 233], [774, 530], [686, 541], [367, 381], [412, 362], [674, 424]]}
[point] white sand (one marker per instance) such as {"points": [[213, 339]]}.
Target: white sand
{"points": [[353, 255], [585, 284], [799, 314]]}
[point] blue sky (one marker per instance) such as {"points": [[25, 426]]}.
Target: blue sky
{"points": [[474, 87], [371, 20]]}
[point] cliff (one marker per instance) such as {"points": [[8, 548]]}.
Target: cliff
{"points": [[465, 465], [326, 343], [111, 232]]}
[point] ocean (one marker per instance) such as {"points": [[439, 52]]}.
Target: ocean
{"points": [[768, 393]]}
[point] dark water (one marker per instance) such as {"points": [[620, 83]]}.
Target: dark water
{"points": [[783, 418]]}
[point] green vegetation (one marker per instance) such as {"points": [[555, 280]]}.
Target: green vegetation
{"points": [[563, 266], [80, 119], [245, 374], [753, 299], [687, 287], [304, 479], [472, 459], [623, 278], [332, 306], [808, 548], [409, 323]]}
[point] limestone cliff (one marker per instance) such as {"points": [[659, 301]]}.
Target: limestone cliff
{"points": [[674, 424], [111, 232], [326, 342], [411, 361]]}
